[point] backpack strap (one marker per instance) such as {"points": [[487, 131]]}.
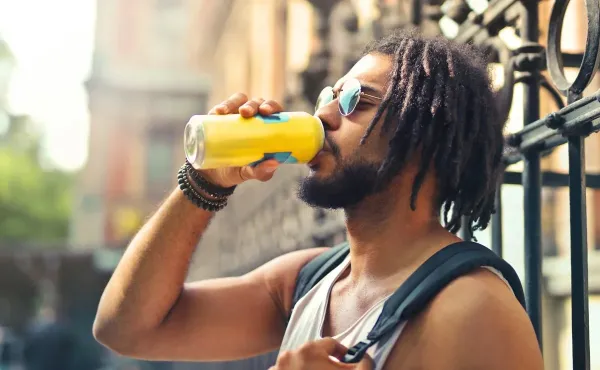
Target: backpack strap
{"points": [[317, 268], [427, 281]]}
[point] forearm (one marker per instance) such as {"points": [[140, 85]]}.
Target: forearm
{"points": [[145, 310], [150, 276]]}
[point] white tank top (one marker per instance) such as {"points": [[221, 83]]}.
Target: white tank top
{"points": [[308, 316]]}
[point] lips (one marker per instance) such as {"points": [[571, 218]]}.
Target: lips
{"points": [[317, 158], [324, 151]]}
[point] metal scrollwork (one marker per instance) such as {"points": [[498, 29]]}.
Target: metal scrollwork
{"points": [[591, 56], [546, 85]]}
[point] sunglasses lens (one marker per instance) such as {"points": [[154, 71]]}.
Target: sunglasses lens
{"points": [[349, 96], [325, 97]]}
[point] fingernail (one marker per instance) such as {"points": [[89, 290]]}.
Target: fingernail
{"points": [[222, 107], [266, 106], [270, 169]]}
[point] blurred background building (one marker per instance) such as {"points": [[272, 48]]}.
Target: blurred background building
{"points": [[146, 80], [155, 63]]}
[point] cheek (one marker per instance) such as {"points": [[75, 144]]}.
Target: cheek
{"points": [[348, 137], [372, 151], [366, 153]]}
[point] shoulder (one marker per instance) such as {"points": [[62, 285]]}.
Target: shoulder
{"points": [[475, 322], [279, 275]]}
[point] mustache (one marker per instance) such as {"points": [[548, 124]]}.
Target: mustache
{"points": [[334, 148]]}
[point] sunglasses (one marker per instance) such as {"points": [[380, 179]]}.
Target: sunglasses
{"points": [[348, 96]]}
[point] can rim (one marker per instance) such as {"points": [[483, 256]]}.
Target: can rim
{"points": [[193, 142], [322, 143]]}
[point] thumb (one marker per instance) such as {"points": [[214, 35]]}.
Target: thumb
{"points": [[262, 172], [366, 363]]}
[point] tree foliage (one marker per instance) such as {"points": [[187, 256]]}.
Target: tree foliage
{"points": [[35, 203]]}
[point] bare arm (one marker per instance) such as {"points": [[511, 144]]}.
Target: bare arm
{"points": [[148, 312], [475, 323]]}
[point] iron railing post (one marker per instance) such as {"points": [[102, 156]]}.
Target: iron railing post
{"points": [[579, 257], [497, 223], [577, 177], [532, 181], [465, 231]]}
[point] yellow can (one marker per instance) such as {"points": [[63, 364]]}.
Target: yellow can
{"points": [[217, 141]]}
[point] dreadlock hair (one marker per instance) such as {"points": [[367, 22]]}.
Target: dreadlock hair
{"points": [[440, 102]]}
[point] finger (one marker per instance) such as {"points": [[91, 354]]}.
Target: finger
{"points": [[231, 105], [332, 347], [366, 363], [250, 108], [270, 107], [262, 172], [337, 364]]}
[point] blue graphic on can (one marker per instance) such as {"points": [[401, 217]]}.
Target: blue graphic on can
{"points": [[291, 159], [275, 118], [281, 157]]}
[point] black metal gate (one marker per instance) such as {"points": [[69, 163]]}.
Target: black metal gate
{"points": [[569, 125]]}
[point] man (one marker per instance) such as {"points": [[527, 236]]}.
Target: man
{"points": [[419, 135]]}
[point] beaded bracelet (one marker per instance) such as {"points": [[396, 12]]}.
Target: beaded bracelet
{"points": [[196, 198], [206, 186]]}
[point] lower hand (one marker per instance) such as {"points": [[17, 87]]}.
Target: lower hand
{"points": [[239, 104], [323, 354]]}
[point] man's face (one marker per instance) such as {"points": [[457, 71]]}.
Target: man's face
{"points": [[345, 172]]}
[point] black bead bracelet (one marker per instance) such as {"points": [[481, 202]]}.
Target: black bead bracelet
{"points": [[199, 200], [206, 186]]}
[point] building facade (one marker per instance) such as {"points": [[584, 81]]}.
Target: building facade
{"points": [[147, 80]]}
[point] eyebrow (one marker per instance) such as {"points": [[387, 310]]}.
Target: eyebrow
{"points": [[371, 90], [365, 88]]}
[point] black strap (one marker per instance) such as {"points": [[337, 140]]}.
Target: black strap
{"points": [[427, 281], [417, 291], [317, 268]]}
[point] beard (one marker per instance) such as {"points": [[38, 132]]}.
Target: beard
{"points": [[351, 182]]}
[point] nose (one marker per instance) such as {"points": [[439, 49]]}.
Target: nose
{"points": [[330, 116]]}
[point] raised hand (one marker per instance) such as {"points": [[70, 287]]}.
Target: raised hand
{"points": [[239, 104]]}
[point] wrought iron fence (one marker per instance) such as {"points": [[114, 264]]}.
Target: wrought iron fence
{"points": [[570, 125]]}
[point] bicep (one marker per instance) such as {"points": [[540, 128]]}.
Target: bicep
{"points": [[493, 329], [475, 323], [230, 318]]}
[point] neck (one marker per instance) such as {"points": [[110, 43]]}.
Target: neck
{"points": [[387, 237]]}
